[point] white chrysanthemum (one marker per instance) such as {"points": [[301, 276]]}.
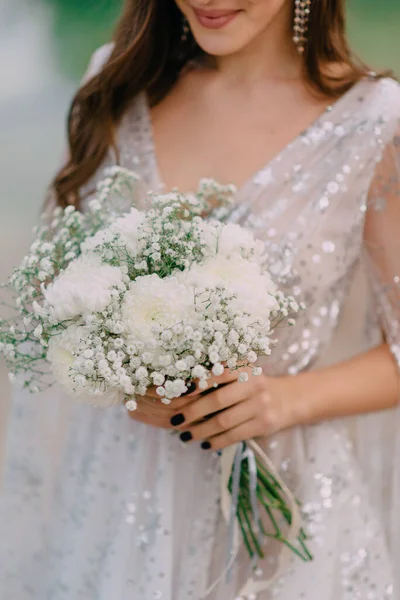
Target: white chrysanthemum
{"points": [[98, 239], [231, 240], [154, 301], [126, 227], [85, 286], [61, 355], [253, 289]]}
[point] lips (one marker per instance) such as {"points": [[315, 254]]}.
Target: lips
{"points": [[215, 19]]}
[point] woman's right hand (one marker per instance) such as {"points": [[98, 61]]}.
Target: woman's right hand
{"points": [[151, 411]]}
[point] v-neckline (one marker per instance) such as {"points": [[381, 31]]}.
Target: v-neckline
{"points": [[317, 122]]}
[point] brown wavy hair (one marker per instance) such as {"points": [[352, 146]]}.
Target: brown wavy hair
{"points": [[149, 54]]}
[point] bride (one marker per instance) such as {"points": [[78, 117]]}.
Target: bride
{"points": [[106, 505]]}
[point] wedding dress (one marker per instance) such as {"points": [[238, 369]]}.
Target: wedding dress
{"points": [[98, 507]]}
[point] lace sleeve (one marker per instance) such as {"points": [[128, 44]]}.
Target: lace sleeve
{"points": [[382, 243]]}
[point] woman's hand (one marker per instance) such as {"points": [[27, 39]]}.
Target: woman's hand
{"points": [[151, 411], [261, 406]]}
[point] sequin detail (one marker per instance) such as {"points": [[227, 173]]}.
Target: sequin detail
{"points": [[121, 510]]}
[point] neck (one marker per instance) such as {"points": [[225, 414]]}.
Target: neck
{"points": [[272, 55]]}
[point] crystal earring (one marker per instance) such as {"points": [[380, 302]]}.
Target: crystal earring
{"points": [[301, 20], [185, 31]]}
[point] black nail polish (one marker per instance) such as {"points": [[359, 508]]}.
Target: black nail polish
{"points": [[177, 420], [206, 445], [186, 436], [191, 388]]}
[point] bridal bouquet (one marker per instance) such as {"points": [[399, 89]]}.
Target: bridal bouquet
{"points": [[109, 305]]}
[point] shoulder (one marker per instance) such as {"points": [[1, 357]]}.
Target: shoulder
{"points": [[381, 97], [98, 60]]}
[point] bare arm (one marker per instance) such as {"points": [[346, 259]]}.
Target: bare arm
{"points": [[366, 383]]}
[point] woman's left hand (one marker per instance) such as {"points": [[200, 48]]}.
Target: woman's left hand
{"points": [[259, 407]]}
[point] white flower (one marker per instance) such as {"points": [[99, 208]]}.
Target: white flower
{"points": [[252, 357], [232, 362], [131, 405], [239, 276], [128, 228], [94, 205], [158, 378], [203, 384], [181, 365], [175, 388], [62, 354], [214, 357], [231, 240], [233, 337], [99, 239], [257, 371], [199, 372], [32, 260], [46, 265], [218, 369], [243, 377], [141, 373], [154, 301], [85, 286]]}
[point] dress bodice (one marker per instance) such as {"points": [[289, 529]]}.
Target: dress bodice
{"points": [[310, 205]]}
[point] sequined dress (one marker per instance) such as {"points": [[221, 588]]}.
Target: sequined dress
{"points": [[98, 507]]}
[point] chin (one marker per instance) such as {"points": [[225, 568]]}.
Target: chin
{"points": [[219, 43]]}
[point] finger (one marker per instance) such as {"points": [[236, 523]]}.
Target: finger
{"points": [[241, 433], [149, 420], [192, 390], [226, 377], [156, 404], [224, 421], [218, 400]]}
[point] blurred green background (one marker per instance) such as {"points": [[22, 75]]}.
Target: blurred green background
{"points": [[44, 49], [78, 27]]}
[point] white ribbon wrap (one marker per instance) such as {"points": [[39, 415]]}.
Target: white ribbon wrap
{"points": [[252, 587]]}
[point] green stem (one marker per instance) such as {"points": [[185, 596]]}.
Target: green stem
{"points": [[244, 533], [251, 530]]}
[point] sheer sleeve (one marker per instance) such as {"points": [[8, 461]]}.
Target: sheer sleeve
{"points": [[378, 434], [97, 61], [382, 243]]}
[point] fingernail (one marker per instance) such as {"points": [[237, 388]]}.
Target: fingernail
{"points": [[186, 436], [206, 445], [177, 420], [191, 388]]}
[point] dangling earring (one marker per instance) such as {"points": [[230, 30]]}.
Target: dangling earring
{"points": [[301, 19], [185, 31]]}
